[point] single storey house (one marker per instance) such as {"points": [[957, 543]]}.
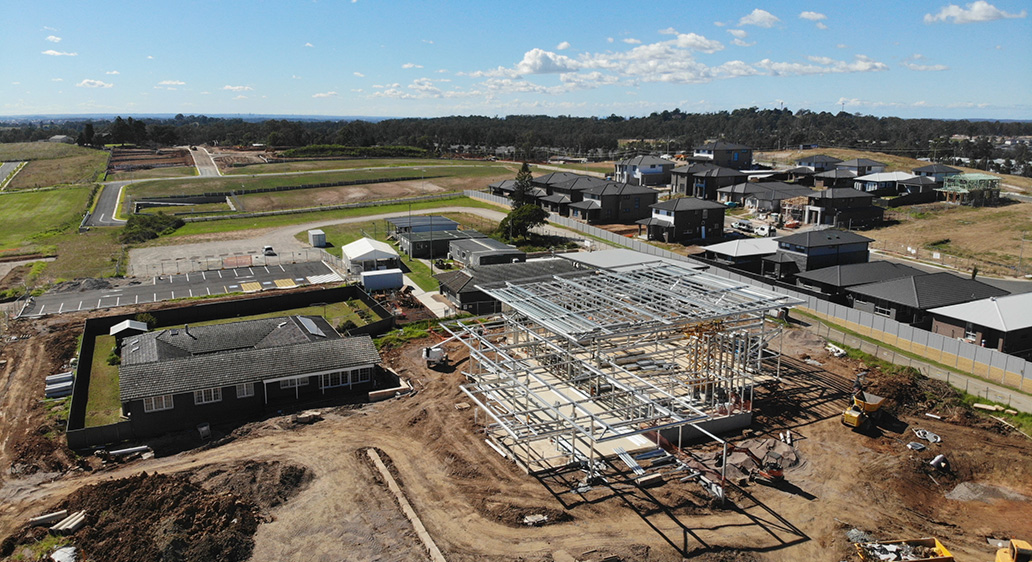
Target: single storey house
{"points": [[881, 183], [175, 379], [683, 219], [419, 223], [1000, 323], [743, 253], [938, 172], [476, 252], [462, 287], [836, 279], [909, 299]]}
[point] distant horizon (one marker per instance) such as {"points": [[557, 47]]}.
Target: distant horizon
{"points": [[920, 59]]}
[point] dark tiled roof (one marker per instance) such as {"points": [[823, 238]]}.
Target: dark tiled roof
{"points": [[836, 173], [422, 220], [199, 340], [693, 168], [613, 188], [819, 238], [586, 204], [556, 177], [859, 273], [504, 185], [229, 368], [841, 193], [801, 170], [860, 162], [937, 169], [579, 183], [918, 180], [687, 204], [721, 145], [750, 187], [557, 198], [645, 161], [819, 159], [718, 172], [929, 291], [466, 281]]}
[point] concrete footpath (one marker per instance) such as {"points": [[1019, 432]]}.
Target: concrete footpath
{"points": [[433, 301]]}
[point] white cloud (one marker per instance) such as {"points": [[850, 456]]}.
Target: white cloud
{"points": [[428, 41], [610, 39], [88, 83], [240, 97], [357, 90], [442, 70], [975, 12], [813, 16], [309, 45], [841, 46], [695, 42], [112, 72], [739, 33], [821, 25], [821, 65], [171, 83], [668, 31], [54, 53], [53, 38], [325, 95], [150, 57], [742, 43], [632, 41], [237, 88], [295, 77], [359, 74], [759, 18], [57, 79], [910, 64], [411, 65], [562, 46], [48, 28], [538, 61]]}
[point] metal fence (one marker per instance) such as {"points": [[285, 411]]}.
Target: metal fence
{"points": [[998, 367]]}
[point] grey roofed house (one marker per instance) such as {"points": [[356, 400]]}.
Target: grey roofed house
{"points": [[801, 171], [645, 161], [418, 223], [924, 292], [618, 258], [935, 169], [842, 193], [822, 238], [836, 174], [687, 204], [1006, 314], [860, 162], [127, 327], [461, 286], [819, 159], [859, 273], [555, 177]]}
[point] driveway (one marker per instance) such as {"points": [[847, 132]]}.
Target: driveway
{"points": [[107, 203]]}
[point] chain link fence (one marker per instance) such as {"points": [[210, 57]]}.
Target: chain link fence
{"points": [[212, 263]]}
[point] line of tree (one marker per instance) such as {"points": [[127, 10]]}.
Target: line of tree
{"points": [[535, 137]]}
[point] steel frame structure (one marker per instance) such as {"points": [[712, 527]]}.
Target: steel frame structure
{"points": [[581, 364]]}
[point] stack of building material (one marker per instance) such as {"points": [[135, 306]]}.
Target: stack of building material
{"points": [[48, 518], [70, 524], [59, 385]]}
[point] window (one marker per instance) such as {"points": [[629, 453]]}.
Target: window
{"points": [[245, 390], [207, 396], [333, 380], [364, 374], [292, 383], [158, 403], [882, 310], [637, 202]]}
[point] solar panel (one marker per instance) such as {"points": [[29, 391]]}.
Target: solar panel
{"points": [[311, 327]]}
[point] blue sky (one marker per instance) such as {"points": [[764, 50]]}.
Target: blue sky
{"points": [[910, 58]]}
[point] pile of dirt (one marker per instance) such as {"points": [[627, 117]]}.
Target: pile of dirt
{"points": [[81, 285], [209, 513]]}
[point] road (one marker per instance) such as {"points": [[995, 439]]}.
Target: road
{"points": [[6, 168], [206, 167], [164, 288], [107, 204]]}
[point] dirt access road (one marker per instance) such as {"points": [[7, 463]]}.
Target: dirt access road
{"points": [[471, 500]]}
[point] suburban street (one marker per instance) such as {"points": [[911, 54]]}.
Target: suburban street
{"points": [[6, 168], [163, 288], [206, 167]]}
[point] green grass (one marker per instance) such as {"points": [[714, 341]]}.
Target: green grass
{"points": [[204, 209], [601, 167], [53, 164], [170, 172], [103, 406], [28, 219], [94, 254], [231, 225], [326, 165], [335, 313]]}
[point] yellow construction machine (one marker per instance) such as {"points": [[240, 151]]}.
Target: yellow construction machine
{"points": [[865, 406], [1017, 551]]}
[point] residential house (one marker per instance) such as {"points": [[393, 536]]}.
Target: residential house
{"points": [[175, 379], [844, 207], [743, 253], [644, 170], [834, 178], [502, 188], [939, 172], [562, 193], [366, 254], [818, 162], [971, 189], [739, 193], [683, 219], [800, 175], [770, 200], [548, 180], [431, 245], [462, 287], [1001, 323], [881, 183], [419, 223], [727, 154], [614, 203], [909, 299], [862, 166], [476, 252], [917, 184], [705, 183], [815, 249], [681, 180], [834, 280]]}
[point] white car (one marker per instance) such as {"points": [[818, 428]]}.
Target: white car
{"points": [[766, 230], [744, 226]]}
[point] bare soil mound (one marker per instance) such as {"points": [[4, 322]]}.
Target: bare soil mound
{"points": [[266, 484]]}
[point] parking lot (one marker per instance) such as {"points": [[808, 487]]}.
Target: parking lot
{"points": [[169, 287]]}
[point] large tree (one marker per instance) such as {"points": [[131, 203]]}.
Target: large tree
{"points": [[521, 190], [519, 221]]}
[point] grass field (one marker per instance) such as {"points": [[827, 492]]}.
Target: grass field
{"points": [[103, 405], [29, 219], [325, 165], [94, 254], [602, 167], [53, 164], [336, 313], [895, 162]]}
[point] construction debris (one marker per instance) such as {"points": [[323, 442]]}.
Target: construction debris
{"points": [[70, 524], [927, 435], [535, 520], [48, 518], [65, 554]]}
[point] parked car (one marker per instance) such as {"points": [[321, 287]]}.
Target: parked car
{"points": [[743, 225], [267, 250], [766, 230], [793, 224]]}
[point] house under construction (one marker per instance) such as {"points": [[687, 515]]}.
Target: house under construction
{"points": [[594, 365]]}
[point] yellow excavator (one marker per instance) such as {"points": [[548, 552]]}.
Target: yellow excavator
{"points": [[1017, 551], [865, 406]]}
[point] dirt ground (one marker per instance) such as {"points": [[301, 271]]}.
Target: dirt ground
{"points": [[125, 158], [331, 505]]}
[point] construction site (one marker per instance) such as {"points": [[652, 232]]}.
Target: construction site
{"points": [[653, 413]]}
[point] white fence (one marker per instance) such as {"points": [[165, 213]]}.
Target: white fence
{"points": [[990, 364]]}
